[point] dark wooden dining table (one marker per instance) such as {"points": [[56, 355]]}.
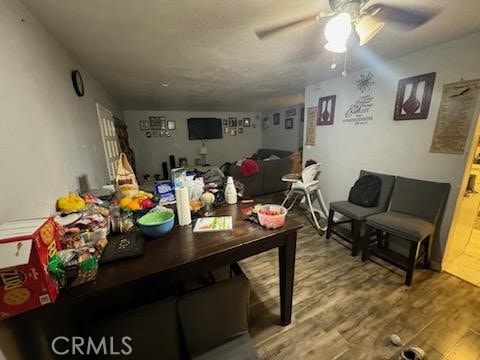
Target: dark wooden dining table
{"points": [[182, 254]]}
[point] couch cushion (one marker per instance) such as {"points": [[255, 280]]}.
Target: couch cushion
{"points": [[402, 225], [354, 211], [214, 315], [240, 348], [265, 153]]}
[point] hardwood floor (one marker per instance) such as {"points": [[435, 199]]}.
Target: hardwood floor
{"points": [[345, 309]]}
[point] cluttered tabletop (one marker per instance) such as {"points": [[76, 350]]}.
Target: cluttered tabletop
{"points": [[109, 237]]}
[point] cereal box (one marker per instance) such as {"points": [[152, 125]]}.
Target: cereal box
{"points": [[25, 249]]}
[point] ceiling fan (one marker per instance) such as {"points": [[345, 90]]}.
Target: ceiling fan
{"points": [[367, 20]]}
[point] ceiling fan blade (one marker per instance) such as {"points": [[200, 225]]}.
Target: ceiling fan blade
{"points": [[265, 32], [407, 19]]}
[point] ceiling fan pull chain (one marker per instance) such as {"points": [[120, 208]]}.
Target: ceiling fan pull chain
{"points": [[334, 63], [344, 72]]}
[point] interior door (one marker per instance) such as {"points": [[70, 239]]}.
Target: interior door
{"points": [[110, 140]]}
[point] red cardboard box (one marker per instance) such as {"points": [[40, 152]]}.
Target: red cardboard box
{"points": [[26, 246]]}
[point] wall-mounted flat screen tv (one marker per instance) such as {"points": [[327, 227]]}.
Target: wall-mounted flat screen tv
{"points": [[204, 128]]}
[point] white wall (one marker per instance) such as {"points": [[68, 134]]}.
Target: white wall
{"points": [[48, 135], [151, 152], [277, 137], [395, 147]]}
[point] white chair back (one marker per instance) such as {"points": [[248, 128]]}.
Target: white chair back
{"points": [[310, 173]]}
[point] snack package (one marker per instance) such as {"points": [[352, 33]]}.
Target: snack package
{"points": [[126, 181], [74, 267]]}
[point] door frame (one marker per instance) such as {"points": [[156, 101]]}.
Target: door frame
{"points": [[474, 140]]}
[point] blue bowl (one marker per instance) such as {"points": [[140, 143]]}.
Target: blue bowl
{"points": [[157, 223]]}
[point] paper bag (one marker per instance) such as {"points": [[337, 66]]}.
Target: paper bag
{"points": [[126, 180]]}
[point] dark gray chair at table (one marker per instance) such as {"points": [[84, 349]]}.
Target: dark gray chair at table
{"points": [[214, 321], [414, 214], [357, 214]]}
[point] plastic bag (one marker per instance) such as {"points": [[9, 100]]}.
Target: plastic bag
{"points": [[126, 181]]}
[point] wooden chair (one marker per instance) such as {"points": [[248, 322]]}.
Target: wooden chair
{"points": [[356, 214], [414, 214]]}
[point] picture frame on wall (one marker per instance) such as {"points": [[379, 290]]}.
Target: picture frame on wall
{"points": [[163, 123], [289, 123], [326, 110], [227, 130], [225, 122], [144, 125], [232, 122], [290, 112], [276, 119], [246, 122], [240, 122], [155, 122], [148, 134], [171, 125], [233, 131], [240, 130], [156, 133], [414, 95]]}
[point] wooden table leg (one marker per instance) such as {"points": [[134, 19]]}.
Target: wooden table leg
{"points": [[286, 262]]}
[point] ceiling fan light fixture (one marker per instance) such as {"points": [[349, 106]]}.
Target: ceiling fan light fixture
{"points": [[367, 27], [336, 47], [338, 28]]}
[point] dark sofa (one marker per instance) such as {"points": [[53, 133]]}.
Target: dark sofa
{"points": [[269, 179]]}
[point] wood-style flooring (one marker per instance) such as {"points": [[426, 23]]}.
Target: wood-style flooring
{"points": [[346, 309]]}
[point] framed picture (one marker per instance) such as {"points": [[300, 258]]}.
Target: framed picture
{"points": [[291, 112], [289, 123], [155, 133], [246, 122], [171, 125], [168, 133], [155, 122], [163, 123], [225, 122], [326, 110], [148, 134], [240, 122], [227, 130], [232, 122], [276, 119], [162, 133], [144, 125], [233, 131], [240, 130], [413, 97]]}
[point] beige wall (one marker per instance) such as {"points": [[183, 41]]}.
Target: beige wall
{"points": [[48, 135], [395, 147], [151, 152], [277, 137]]}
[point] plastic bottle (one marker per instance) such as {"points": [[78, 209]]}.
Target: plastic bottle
{"points": [[230, 192]]}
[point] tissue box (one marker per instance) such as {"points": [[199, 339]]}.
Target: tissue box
{"points": [[26, 247]]}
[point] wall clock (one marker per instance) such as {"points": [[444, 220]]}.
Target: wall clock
{"points": [[78, 83]]}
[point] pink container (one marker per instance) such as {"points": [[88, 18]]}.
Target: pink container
{"points": [[272, 221]]}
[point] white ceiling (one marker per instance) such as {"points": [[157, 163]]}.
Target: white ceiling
{"points": [[209, 53]]}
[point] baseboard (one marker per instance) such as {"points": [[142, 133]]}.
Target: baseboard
{"points": [[435, 265]]}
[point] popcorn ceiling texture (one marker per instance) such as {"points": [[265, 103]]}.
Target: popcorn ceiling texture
{"points": [[208, 49]]}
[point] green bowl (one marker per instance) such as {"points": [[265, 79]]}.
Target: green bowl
{"points": [[157, 223]]}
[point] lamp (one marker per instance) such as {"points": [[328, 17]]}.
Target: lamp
{"points": [[203, 151], [337, 31], [367, 27]]}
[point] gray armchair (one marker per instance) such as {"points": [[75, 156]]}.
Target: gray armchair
{"points": [[357, 214], [414, 214]]}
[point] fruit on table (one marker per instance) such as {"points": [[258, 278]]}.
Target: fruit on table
{"points": [[70, 202], [124, 202], [146, 203], [134, 205]]}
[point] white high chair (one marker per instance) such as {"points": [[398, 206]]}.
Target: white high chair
{"points": [[307, 188]]}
